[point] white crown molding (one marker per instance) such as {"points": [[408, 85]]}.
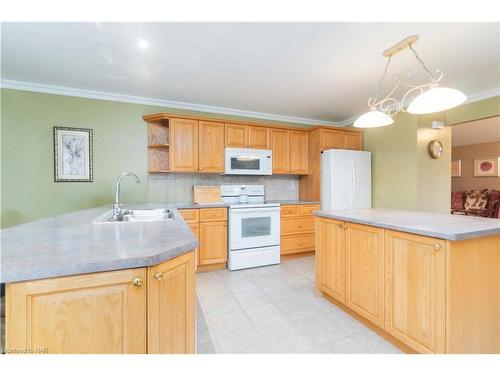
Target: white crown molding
{"points": [[483, 95], [102, 95]]}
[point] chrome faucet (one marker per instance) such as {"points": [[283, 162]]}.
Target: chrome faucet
{"points": [[116, 206]]}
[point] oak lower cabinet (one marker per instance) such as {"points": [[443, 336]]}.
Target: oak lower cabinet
{"points": [[209, 225], [364, 247], [171, 310], [213, 243], [330, 258], [427, 294], [297, 228], [105, 312], [415, 290]]}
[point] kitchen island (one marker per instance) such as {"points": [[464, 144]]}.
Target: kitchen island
{"points": [[74, 285], [428, 282]]}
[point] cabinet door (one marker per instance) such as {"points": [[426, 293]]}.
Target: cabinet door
{"points": [[331, 139], [196, 231], [415, 291], [211, 147], [330, 258], [258, 137], [213, 243], [280, 145], [99, 313], [183, 145], [171, 298], [365, 271], [353, 141], [299, 152], [236, 135]]}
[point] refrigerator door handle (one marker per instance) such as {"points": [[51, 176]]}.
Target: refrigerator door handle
{"points": [[355, 179]]}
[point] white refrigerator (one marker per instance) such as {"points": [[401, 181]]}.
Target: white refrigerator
{"points": [[346, 179]]}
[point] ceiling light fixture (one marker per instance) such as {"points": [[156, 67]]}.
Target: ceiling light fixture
{"points": [[142, 43], [430, 97]]}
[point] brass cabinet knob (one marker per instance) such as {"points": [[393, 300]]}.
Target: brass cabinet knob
{"points": [[345, 226], [437, 246], [158, 275], [137, 281]]}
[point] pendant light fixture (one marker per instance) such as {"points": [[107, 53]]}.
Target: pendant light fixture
{"points": [[430, 97]]}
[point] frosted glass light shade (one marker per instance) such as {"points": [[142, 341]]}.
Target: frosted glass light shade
{"points": [[373, 119], [437, 99]]}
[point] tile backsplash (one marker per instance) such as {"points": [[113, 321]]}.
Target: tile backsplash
{"points": [[178, 187]]}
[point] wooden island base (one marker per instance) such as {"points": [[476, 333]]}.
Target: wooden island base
{"points": [[424, 294]]}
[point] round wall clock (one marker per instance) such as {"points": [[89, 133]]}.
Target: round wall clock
{"points": [[435, 149]]}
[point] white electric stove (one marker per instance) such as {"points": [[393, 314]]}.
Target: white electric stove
{"points": [[254, 227]]}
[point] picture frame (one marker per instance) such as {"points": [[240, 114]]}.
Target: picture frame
{"points": [[487, 167], [456, 168], [73, 154]]}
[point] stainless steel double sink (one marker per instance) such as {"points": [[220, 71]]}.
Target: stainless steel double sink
{"points": [[146, 214]]}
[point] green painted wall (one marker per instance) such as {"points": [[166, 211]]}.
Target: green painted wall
{"points": [[474, 111], [394, 163], [433, 175], [120, 135]]}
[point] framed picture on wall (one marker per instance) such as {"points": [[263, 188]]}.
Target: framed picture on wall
{"points": [[456, 168], [487, 167], [72, 154]]}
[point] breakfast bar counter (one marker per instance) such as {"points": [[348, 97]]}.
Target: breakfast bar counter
{"points": [[428, 282], [438, 225]]}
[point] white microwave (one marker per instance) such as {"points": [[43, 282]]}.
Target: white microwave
{"points": [[248, 161]]}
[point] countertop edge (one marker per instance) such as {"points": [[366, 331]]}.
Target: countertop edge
{"points": [[399, 228]]}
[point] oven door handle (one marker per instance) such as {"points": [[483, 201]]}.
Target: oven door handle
{"points": [[256, 210]]}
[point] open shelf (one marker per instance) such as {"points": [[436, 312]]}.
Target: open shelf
{"points": [[158, 147]]}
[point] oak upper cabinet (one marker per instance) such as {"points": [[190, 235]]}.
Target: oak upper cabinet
{"points": [[280, 146], [171, 309], [352, 141], [213, 236], [299, 152], [183, 145], [330, 139], [415, 290], [236, 135], [331, 258], [365, 271], [99, 313], [211, 147], [258, 137]]}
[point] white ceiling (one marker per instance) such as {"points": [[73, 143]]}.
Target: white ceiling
{"points": [[316, 72], [474, 132]]}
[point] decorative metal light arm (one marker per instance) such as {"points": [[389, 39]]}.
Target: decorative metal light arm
{"points": [[390, 105]]}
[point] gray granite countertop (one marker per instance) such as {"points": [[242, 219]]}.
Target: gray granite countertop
{"points": [[444, 226], [72, 244], [285, 202]]}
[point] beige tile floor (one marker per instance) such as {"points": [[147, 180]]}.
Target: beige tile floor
{"points": [[274, 310]]}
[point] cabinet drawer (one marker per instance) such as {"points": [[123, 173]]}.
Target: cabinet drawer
{"points": [[297, 226], [191, 215], [297, 244], [308, 209], [213, 214], [289, 210]]}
